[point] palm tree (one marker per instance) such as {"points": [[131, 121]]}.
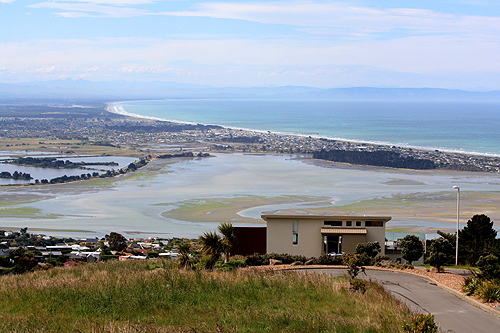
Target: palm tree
{"points": [[228, 239], [184, 260], [211, 245]]}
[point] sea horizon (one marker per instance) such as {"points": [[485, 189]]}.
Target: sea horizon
{"points": [[408, 124]]}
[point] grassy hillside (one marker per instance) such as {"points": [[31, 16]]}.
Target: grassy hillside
{"points": [[156, 297]]}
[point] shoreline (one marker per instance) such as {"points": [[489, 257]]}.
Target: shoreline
{"points": [[412, 209], [114, 107]]}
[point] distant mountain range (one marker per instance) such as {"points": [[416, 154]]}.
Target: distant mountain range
{"points": [[85, 91]]}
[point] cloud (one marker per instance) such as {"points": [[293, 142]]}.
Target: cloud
{"points": [[7, 1], [95, 8], [339, 15], [110, 2], [419, 54]]}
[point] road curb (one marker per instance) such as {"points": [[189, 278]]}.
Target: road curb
{"points": [[460, 295]]}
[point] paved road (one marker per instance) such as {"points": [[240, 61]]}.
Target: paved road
{"points": [[451, 313]]}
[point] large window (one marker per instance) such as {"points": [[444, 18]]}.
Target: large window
{"points": [[334, 223], [295, 232], [374, 224]]}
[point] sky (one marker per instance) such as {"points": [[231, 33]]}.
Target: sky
{"points": [[453, 44]]}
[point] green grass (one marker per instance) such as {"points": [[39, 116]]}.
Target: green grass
{"points": [[140, 297], [26, 212]]}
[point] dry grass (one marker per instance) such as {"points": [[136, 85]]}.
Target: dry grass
{"points": [[155, 297]]}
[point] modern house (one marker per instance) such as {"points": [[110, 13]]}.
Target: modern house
{"points": [[315, 235]]}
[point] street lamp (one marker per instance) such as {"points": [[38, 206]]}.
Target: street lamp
{"points": [[458, 220]]}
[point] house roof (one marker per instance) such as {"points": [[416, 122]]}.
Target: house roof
{"points": [[267, 217]]}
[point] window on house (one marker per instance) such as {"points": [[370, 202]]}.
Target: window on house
{"points": [[295, 232], [348, 223], [358, 223], [334, 223], [374, 224]]}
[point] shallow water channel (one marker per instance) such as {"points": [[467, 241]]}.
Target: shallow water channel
{"points": [[187, 196]]}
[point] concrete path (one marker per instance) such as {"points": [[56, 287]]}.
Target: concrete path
{"points": [[450, 312]]}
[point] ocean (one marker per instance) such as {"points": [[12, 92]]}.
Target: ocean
{"points": [[468, 127]]}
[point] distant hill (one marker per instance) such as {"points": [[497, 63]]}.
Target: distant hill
{"points": [[81, 90]]}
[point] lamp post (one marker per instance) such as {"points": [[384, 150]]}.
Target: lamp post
{"points": [[458, 221]]}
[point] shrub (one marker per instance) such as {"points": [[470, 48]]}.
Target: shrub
{"points": [[238, 257], [381, 258], [489, 266], [358, 285], [371, 249], [421, 324], [230, 265], [471, 284], [263, 259], [206, 262], [255, 259], [489, 291], [325, 259], [366, 260], [105, 257]]}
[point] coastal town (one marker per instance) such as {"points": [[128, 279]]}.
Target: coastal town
{"points": [[143, 137]]}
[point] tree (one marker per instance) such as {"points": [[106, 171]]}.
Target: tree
{"points": [[411, 248], [25, 264], [117, 242], [489, 266], [211, 245], [477, 238], [354, 265], [371, 249], [441, 250], [184, 259], [228, 239]]}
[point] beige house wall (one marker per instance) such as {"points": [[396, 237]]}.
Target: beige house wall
{"points": [[310, 239], [280, 237]]}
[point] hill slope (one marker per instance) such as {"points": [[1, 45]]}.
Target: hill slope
{"points": [[157, 297]]}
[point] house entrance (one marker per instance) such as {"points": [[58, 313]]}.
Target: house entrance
{"points": [[332, 244]]}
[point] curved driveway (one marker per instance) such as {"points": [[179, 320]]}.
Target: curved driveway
{"points": [[451, 313]]}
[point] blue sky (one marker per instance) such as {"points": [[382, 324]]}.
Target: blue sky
{"points": [[451, 44]]}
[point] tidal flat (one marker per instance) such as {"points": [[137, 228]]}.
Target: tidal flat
{"points": [[185, 197]]}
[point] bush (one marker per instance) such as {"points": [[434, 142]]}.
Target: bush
{"points": [[489, 266], [471, 284], [381, 258], [358, 285], [263, 259], [371, 249], [238, 257], [366, 260], [489, 291], [421, 324], [255, 259], [205, 262], [230, 265], [325, 259], [105, 257]]}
